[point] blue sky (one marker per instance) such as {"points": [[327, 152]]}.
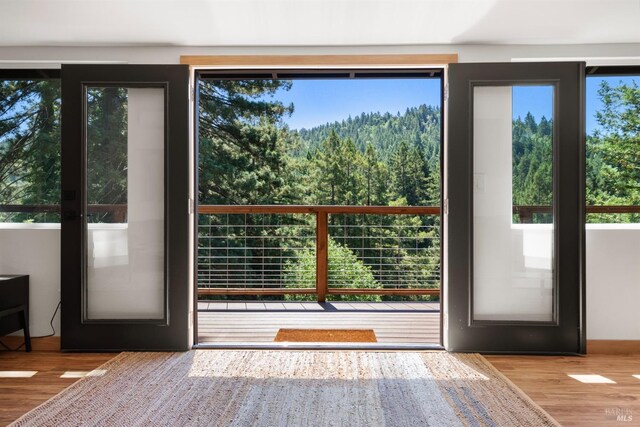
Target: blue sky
{"points": [[324, 101], [538, 99], [535, 99]]}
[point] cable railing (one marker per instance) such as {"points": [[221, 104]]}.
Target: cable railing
{"points": [[318, 250], [242, 251], [399, 252]]}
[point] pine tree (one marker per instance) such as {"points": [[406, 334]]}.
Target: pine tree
{"points": [[408, 177], [30, 145], [242, 142], [107, 134], [613, 151]]}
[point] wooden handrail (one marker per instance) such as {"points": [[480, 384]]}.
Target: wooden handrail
{"points": [[315, 209], [387, 210], [119, 212], [525, 212], [30, 208]]}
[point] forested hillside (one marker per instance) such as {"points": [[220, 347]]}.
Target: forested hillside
{"points": [[417, 125], [532, 161], [372, 159]]}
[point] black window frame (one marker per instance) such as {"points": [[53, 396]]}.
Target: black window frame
{"points": [[33, 74], [609, 71]]}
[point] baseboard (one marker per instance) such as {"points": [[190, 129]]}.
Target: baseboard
{"points": [[613, 346], [37, 344]]}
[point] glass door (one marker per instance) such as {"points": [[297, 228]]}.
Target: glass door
{"points": [[125, 219], [515, 221]]}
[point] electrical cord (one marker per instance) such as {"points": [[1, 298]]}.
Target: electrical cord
{"points": [[53, 331]]}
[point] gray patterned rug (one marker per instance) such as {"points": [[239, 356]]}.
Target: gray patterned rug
{"points": [[289, 388]]}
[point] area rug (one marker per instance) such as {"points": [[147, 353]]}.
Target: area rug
{"points": [[289, 388], [325, 335]]}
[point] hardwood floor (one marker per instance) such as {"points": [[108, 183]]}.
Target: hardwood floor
{"points": [[544, 378], [19, 395]]}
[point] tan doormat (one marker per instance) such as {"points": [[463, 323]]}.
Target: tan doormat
{"points": [[325, 335]]}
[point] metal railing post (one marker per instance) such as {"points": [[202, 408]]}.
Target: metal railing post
{"points": [[322, 255]]}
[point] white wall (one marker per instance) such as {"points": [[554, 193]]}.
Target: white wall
{"points": [[35, 250], [613, 281]]}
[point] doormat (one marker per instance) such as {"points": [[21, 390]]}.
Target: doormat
{"points": [[325, 335]]}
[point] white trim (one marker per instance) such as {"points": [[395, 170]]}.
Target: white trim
{"points": [[56, 226], [29, 226], [605, 226]]}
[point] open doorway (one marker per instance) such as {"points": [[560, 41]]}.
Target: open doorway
{"points": [[319, 198]]}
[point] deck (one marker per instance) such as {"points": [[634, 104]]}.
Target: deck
{"points": [[257, 322]]}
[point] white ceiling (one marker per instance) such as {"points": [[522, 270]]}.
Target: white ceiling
{"points": [[316, 22]]}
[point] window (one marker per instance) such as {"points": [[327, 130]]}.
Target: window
{"points": [[532, 153], [29, 146], [613, 145]]}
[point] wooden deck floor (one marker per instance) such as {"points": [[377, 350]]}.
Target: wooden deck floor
{"points": [[222, 322]]}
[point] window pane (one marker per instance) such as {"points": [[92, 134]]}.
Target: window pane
{"points": [[29, 150], [613, 149], [512, 166], [125, 203]]}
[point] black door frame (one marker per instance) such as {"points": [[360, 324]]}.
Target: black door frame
{"points": [[566, 333], [77, 332]]}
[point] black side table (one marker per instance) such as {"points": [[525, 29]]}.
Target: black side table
{"points": [[14, 306]]}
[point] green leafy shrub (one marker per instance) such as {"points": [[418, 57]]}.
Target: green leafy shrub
{"points": [[345, 271]]}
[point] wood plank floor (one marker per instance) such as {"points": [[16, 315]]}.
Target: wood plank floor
{"points": [[546, 380], [224, 322], [19, 395], [543, 378]]}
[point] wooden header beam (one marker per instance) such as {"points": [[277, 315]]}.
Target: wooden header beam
{"points": [[318, 60]]}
